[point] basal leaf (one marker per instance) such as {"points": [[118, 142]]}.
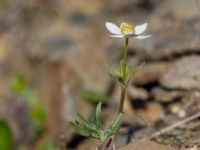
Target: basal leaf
{"points": [[115, 124], [85, 122], [95, 96], [79, 128]]}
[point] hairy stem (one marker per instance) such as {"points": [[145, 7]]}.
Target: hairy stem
{"points": [[122, 98], [123, 88], [124, 70]]}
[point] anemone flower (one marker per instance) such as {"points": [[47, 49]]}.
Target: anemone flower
{"points": [[127, 30]]}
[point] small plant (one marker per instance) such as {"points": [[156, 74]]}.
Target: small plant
{"points": [[93, 127]]}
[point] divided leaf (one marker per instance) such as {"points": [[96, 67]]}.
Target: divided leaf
{"points": [[95, 96], [85, 122], [97, 117], [94, 128], [79, 128], [114, 126]]}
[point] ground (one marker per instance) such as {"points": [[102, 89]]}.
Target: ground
{"points": [[62, 49]]}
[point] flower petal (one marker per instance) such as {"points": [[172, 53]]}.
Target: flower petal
{"points": [[142, 37], [139, 29], [117, 36], [112, 28]]}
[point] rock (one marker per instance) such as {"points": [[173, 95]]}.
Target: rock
{"points": [[165, 42], [90, 7], [177, 7], [137, 93], [165, 96], [190, 103], [153, 112], [181, 75], [150, 73], [88, 144], [145, 145], [91, 72]]}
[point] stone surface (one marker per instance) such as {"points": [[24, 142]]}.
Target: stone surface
{"points": [[89, 144], [182, 74], [137, 93], [191, 103], [151, 73], [145, 145], [153, 112], [171, 37], [177, 7], [162, 95]]}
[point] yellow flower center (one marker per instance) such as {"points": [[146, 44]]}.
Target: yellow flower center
{"points": [[127, 28]]}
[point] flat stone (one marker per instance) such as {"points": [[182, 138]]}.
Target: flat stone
{"points": [[181, 75], [150, 73], [89, 144], [145, 145], [137, 93], [152, 113], [165, 96]]}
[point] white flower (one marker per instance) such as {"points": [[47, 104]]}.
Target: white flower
{"points": [[127, 30]]}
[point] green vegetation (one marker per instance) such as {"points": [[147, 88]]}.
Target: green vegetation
{"points": [[94, 128], [37, 111], [95, 96], [6, 136]]}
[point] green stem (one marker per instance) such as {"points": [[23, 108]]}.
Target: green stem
{"points": [[123, 86], [124, 60]]}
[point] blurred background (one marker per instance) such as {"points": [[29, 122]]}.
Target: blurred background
{"points": [[55, 58]]}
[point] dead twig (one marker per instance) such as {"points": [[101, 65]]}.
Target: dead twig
{"points": [[177, 124]]}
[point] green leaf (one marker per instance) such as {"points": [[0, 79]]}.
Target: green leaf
{"points": [[125, 78], [18, 83], [102, 136], [6, 136], [92, 118], [83, 130], [79, 128], [86, 122], [97, 117], [114, 72], [38, 116], [115, 124], [95, 96]]}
